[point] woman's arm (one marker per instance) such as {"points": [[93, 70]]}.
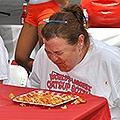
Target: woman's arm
{"points": [[62, 2], [26, 43], [1, 81], [27, 0]]}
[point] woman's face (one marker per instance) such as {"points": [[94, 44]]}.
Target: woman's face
{"points": [[102, 12], [65, 56]]}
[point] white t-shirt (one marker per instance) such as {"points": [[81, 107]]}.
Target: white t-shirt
{"points": [[98, 74], [4, 66]]}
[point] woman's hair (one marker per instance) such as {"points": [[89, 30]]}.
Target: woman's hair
{"points": [[75, 26]]}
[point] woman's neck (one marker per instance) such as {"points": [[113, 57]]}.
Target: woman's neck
{"points": [[84, 52]]}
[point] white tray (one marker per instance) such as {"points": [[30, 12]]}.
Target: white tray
{"points": [[54, 94]]}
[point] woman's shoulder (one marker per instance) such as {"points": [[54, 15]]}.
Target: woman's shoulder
{"points": [[104, 50]]}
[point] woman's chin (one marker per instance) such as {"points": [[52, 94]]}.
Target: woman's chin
{"points": [[64, 69]]}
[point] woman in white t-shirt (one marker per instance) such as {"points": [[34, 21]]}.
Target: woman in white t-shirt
{"points": [[4, 66], [71, 60]]}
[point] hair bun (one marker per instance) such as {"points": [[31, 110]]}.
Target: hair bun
{"points": [[77, 11]]}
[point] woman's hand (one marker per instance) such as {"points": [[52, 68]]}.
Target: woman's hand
{"points": [[1, 81], [62, 2], [27, 0]]}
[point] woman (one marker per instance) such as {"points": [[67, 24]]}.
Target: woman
{"points": [[71, 60], [38, 10]]}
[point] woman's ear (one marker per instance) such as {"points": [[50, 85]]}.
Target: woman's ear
{"points": [[81, 41]]}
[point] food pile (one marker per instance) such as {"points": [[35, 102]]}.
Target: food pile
{"points": [[11, 96], [47, 98], [79, 100]]}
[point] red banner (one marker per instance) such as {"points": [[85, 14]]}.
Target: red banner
{"points": [[102, 13]]}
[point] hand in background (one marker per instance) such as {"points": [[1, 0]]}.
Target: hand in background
{"points": [[27, 0]]}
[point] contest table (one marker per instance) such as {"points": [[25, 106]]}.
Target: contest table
{"points": [[96, 108]]}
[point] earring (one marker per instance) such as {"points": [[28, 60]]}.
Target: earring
{"points": [[80, 52]]}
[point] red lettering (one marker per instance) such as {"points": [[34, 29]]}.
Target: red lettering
{"points": [[85, 86], [83, 91], [49, 84], [59, 77], [88, 87], [60, 85], [76, 89], [80, 83], [56, 82], [77, 82], [66, 77], [52, 84], [74, 82], [73, 89], [56, 77], [64, 86], [52, 77], [70, 79], [62, 77], [67, 86]]}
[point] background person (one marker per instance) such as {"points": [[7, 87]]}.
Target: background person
{"points": [[4, 66], [38, 10], [71, 60]]}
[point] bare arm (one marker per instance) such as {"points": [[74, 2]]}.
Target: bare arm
{"points": [[27, 0], [26, 43], [1, 81], [62, 2]]}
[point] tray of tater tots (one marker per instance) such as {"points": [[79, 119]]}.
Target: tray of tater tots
{"points": [[47, 98]]}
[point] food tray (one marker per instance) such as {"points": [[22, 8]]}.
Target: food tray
{"points": [[45, 98]]}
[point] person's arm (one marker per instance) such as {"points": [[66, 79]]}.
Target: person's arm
{"points": [[26, 43], [1, 81], [62, 2], [27, 0]]}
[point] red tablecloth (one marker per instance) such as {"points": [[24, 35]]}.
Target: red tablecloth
{"points": [[96, 108]]}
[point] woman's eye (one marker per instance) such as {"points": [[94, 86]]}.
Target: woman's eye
{"points": [[48, 52], [60, 53]]}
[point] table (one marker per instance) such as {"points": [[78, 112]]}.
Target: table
{"points": [[96, 108]]}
